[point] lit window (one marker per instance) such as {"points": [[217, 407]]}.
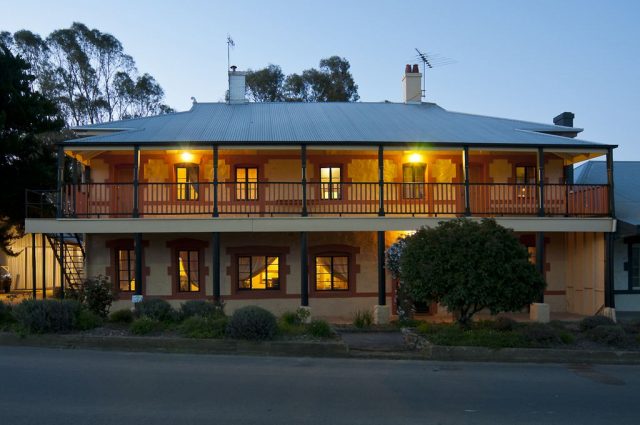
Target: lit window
{"points": [[526, 180], [332, 273], [125, 270], [246, 183], [330, 187], [413, 179], [258, 272], [187, 182], [188, 271]]}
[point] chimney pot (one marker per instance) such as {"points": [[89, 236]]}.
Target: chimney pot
{"points": [[415, 68], [233, 68], [407, 69]]}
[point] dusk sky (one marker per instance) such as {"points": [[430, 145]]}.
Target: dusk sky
{"points": [[517, 59]]}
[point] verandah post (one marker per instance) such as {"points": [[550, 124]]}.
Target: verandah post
{"points": [[137, 246], [215, 181], [44, 266], [303, 161], [60, 177], [540, 266], [304, 270], [467, 191], [62, 271], [381, 180], [540, 182], [34, 270], [612, 204], [382, 284], [136, 166], [215, 253]]}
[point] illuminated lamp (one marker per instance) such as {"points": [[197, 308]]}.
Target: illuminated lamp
{"points": [[186, 157], [415, 158]]}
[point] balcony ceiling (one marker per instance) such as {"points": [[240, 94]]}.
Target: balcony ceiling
{"points": [[328, 124]]}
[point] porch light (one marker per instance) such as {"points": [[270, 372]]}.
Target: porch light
{"points": [[416, 158], [186, 156]]}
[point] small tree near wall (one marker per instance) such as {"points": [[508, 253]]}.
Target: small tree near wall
{"points": [[468, 266]]}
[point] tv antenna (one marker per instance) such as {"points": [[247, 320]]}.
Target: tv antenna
{"points": [[230, 44], [430, 61]]}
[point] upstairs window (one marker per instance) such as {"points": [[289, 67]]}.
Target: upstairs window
{"points": [[330, 179], [258, 272], [247, 183], [187, 182], [413, 179], [125, 269], [332, 273], [526, 179]]}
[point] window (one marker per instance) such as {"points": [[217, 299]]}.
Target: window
{"points": [[634, 267], [332, 273], [188, 271], [258, 272], [125, 270], [187, 182], [526, 175], [330, 187], [246, 183], [413, 177]]}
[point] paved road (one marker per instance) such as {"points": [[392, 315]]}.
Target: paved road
{"points": [[47, 386]]}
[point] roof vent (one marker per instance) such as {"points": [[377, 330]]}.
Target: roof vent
{"points": [[237, 83], [411, 84]]}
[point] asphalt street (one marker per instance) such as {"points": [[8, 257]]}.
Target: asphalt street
{"points": [[55, 386]]}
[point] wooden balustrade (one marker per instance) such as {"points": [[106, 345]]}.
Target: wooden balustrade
{"points": [[100, 200]]}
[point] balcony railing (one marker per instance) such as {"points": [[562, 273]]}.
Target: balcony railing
{"points": [[260, 199]]}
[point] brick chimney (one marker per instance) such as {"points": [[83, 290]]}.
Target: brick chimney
{"points": [[412, 84], [237, 83], [564, 119]]}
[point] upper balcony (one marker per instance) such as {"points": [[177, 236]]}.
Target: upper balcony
{"points": [[318, 183]]}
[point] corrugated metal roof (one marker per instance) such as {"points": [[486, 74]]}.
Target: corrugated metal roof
{"points": [[626, 175], [345, 123]]}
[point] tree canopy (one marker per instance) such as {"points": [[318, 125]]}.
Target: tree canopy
{"points": [[332, 82], [27, 159], [469, 266], [87, 74]]}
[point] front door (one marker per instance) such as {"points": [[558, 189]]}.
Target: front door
{"points": [[122, 194]]}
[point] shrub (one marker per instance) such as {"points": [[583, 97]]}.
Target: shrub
{"points": [[5, 314], [42, 316], [504, 324], [144, 326], [286, 328], [121, 316], [95, 293], [456, 335], [297, 317], [87, 320], [608, 335], [200, 308], [319, 329], [156, 309], [252, 323], [204, 327], [363, 319], [540, 335], [566, 337], [592, 322], [468, 266]]}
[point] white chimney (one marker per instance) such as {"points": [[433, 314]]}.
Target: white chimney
{"points": [[411, 84], [237, 86]]}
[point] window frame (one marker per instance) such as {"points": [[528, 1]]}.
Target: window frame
{"points": [[266, 271], [331, 184], [189, 188], [331, 273], [131, 272], [189, 251], [247, 184], [414, 189]]}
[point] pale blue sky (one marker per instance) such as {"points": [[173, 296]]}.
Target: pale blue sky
{"points": [[515, 58]]}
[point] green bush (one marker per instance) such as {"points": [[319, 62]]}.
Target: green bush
{"points": [[144, 326], [592, 322], [504, 324], [201, 308], [95, 293], [540, 335], [121, 316], [253, 323], [468, 266], [319, 329], [204, 327], [5, 314], [290, 318], [155, 309], [287, 328], [608, 335], [456, 335], [87, 320], [363, 319], [566, 337], [43, 316]]}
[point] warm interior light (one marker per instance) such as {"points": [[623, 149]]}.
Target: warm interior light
{"points": [[186, 157], [415, 158]]}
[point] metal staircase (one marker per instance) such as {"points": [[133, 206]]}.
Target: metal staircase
{"points": [[69, 252]]}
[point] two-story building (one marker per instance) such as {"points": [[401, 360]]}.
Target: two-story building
{"points": [[293, 204]]}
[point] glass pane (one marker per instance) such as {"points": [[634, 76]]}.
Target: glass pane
{"points": [[323, 273], [181, 178], [258, 273], [273, 273], [341, 273], [183, 263], [520, 175], [192, 177], [241, 174], [325, 174], [252, 174], [335, 174], [244, 272]]}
